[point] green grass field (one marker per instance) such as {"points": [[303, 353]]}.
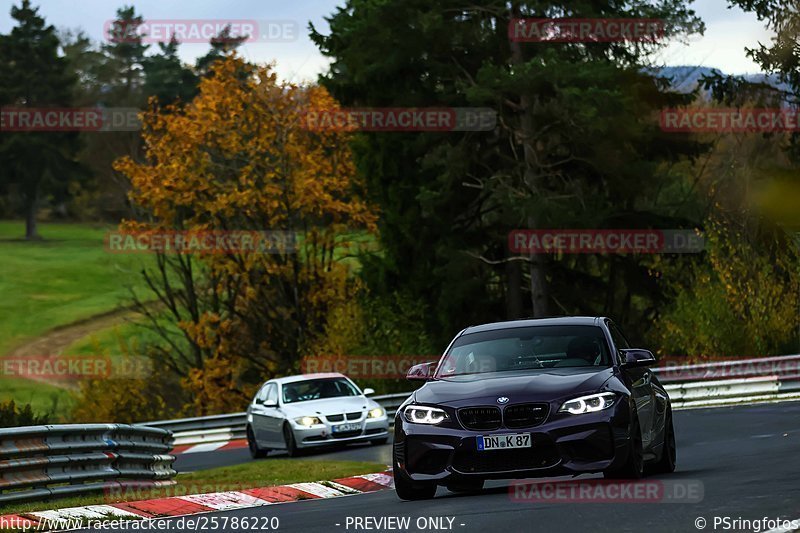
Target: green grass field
{"points": [[253, 474], [68, 277], [64, 278], [127, 338]]}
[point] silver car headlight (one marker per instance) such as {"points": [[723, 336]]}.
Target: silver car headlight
{"points": [[308, 421], [376, 413], [421, 414], [589, 404]]}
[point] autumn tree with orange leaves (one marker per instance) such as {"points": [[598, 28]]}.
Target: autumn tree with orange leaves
{"points": [[238, 158]]}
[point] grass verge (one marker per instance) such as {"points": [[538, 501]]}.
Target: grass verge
{"points": [[253, 474]]}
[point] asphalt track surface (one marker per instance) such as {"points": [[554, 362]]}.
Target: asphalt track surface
{"points": [[747, 459]]}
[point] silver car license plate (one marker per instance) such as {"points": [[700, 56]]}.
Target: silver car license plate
{"points": [[341, 428]]}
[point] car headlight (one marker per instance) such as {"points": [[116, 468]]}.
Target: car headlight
{"points": [[308, 421], [376, 413], [420, 414], [589, 404]]}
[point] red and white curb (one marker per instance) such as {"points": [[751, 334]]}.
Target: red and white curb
{"points": [[209, 447], [204, 503]]}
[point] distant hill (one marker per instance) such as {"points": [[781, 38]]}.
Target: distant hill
{"points": [[686, 78]]}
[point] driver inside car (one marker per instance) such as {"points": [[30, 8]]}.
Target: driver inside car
{"points": [[582, 351]]}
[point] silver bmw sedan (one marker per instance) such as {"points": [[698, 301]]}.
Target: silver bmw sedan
{"points": [[299, 412]]}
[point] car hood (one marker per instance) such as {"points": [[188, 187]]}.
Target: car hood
{"points": [[518, 386], [330, 406]]}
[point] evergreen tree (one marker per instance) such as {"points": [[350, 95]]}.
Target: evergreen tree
{"points": [[35, 75], [577, 144], [167, 78], [123, 68], [221, 45]]}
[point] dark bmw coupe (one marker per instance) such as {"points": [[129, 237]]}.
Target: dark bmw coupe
{"points": [[530, 398]]}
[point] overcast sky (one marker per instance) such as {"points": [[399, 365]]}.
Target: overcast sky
{"points": [[728, 31]]}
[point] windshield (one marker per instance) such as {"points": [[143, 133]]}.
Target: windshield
{"points": [[531, 348], [318, 389]]}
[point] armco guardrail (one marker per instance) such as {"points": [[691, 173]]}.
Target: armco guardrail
{"points": [[695, 385], [732, 381], [40, 462], [732, 391], [785, 366], [206, 429], [199, 423]]}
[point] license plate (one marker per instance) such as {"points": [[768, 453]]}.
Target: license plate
{"points": [[504, 442], [341, 428]]}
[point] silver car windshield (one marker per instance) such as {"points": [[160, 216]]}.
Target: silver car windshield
{"points": [[531, 348], [317, 389]]}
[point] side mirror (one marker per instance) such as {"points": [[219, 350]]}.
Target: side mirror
{"points": [[264, 403], [368, 391], [636, 357], [420, 372]]}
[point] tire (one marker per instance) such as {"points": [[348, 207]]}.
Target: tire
{"points": [[666, 463], [634, 463], [410, 490], [256, 452], [378, 442], [466, 486], [291, 445]]}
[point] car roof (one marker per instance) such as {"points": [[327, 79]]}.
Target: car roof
{"points": [[304, 377], [552, 321]]}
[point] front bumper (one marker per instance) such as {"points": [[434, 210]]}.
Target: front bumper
{"points": [[563, 445], [323, 434]]}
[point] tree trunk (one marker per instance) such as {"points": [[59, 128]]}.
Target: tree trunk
{"points": [[539, 292], [612, 285], [31, 228], [513, 290]]}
